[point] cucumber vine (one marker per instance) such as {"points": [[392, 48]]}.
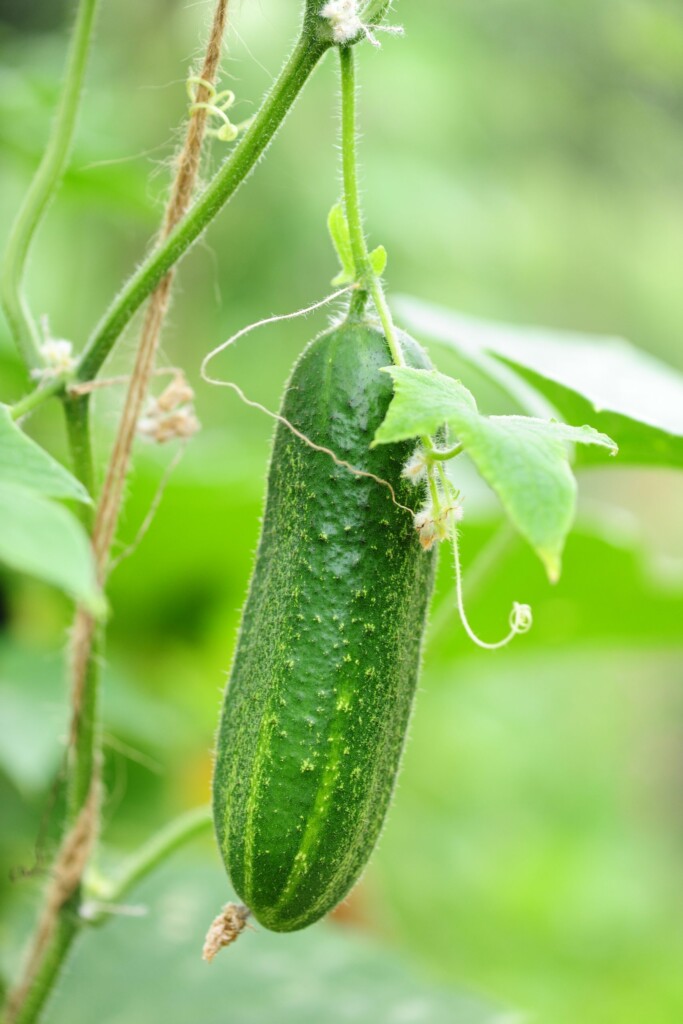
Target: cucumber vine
{"points": [[426, 409]]}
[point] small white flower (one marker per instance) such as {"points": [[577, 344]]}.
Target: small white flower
{"points": [[435, 526], [415, 468], [58, 359]]}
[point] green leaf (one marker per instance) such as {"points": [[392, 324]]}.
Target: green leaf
{"points": [[523, 459], [44, 539], [626, 393], [526, 463], [24, 462], [338, 228], [423, 401], [378, 260]]}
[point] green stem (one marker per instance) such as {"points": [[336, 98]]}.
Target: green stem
{"points": [[148, 857], [69, 923], [354, 216], [443, 455], [67, 928], [77, 416], [85, 752], [366, 275], [42, 188], [220, 189], [33, 399], [374, 12]]}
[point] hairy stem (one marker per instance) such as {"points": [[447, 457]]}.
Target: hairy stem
{"points": [[33, 1001], [354, 216], [156, 850], [443, 455], [366, 274], [53, 938], [222, 187], [77, 416], [187, 168], [46, 180]]}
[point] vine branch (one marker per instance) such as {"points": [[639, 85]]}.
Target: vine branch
{"points": [[220, 189], [21, 322], [105, 897], [58, 923]]}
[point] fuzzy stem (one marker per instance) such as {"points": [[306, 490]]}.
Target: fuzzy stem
{"points": [[52, 939], [366, 275], [43, 186], [222, 187], [34, 1000], [354, 216], [77, 416], [187, 169], [443, 455], [152, 853], [34, 399]]}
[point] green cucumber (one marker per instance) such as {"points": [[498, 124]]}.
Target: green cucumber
{"points": [[318, 701]]}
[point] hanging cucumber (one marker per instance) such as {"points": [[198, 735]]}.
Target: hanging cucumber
{"points": [[319, 697]]}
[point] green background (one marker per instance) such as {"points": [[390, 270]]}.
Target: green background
{"points": [[522, 160]]}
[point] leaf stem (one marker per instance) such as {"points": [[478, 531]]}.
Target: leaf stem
{"points": [[46, 180], [30, 402], [443, 455]]}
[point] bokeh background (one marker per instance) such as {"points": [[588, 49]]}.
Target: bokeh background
{"points": [[522, 161]]}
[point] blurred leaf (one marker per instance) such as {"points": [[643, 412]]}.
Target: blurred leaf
{"points": [[378, 260], [534, 800], [338, 227], [307, 977], [24, 462], [525, 460], [34, 715], [44, 539], [626, 393]]}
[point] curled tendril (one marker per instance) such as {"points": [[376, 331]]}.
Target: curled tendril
{"points": [[216, 106], [521, 617]]}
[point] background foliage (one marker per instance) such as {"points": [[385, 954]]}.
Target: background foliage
{"points": [[522, 162]]}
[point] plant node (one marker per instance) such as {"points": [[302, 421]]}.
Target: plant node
{"points": [[346, 25]]}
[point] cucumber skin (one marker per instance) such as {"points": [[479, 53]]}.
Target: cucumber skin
{"points": [[317, 705]]}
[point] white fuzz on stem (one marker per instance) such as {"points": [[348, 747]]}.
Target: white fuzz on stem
{"points": [[346, 24]]}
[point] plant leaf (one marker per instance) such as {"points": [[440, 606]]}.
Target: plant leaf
{"points": [[44, 539], [526, 463], [523, 459], [626, 393], [378, 260], [423, 401], [338, 228], [24, 462]]}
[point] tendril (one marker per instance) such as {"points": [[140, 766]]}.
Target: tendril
{"points": [[277, 416], [521, 618], [215, 105]]}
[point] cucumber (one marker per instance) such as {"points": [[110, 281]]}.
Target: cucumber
{"points": [[318, 701]]}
